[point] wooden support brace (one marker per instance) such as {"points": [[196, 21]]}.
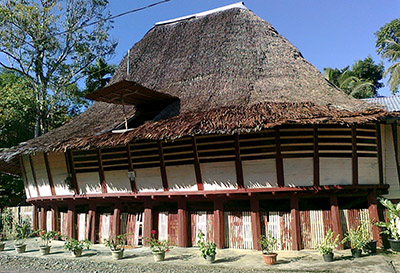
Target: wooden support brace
{"points": [[315, 157], [34, 175], [238, 163], [49, 176], [374, 216], [197, 169], [162, 166], [101, 172], [130, 168], [147, 220], [219, 223], [182, 223], [354, 157], [337, 227], [255, 222], [279, 160], [71, 170], [295, 222]]}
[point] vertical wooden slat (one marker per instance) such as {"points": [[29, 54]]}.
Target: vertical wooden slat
{"points": [[130, 168], [34, 218], [395, 133], [295, 222], [219, 223], [71, 215], [380, 155], [182, 224], [54, 218], [315, 156], [101, 172], [238, 163], [255, 222], [336, 224], [26, 181], [148, 219], [49, 176], [34, 175], [279, 160], [374, 216], [71, 170], [354, 161], [162, 166], [197, 169]]}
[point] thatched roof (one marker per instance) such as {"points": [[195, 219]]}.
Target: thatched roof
{"points": [[232, 72]]}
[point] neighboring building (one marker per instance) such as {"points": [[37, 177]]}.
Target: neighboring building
{"points": [[391, 103], [229, 130]]}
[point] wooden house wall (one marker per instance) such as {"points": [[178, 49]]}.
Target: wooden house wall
{"points": [[59, 173], [278, 224], [238, 231], [168, 227], [204, 221], [29, 175], [389, 162], [41, 174], [149, 180], [117, 181], [329, 174], [181, 178], [88, 183], [132, 224], [298, 172], [219, 175], [104, 227], [259, 173]]}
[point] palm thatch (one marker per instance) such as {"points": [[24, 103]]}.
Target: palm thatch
{"points": [[232, 72]]}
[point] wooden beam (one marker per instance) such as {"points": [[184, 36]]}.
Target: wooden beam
{"points": [[34, 217], [374, 216], [255, 222], [182, 223], [117, 219], [380, 155], [315, 157], [34, 175], [238, 163], [337, 227], [219, 237], [92, 222], [197, 169], [71, 170], [295, 222], [101, 172], [130, 168], [71, 221], [25, 180], [42, 219], [279, 160], [162, 166], [49, 176], [54, 217], [395, 131], [354, 157], [147, 220]]}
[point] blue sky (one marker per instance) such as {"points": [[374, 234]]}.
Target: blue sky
{"points": [[328, 33]]}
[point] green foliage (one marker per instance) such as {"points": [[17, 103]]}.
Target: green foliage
{"points": [[50, 43], [98, 75], [206, 248], [11, 190], [116, 242], [362, 80], [7, 221], [157, 245], [268, 243], [329, 243], [392, 226], [46, 237], [359, 237], [22, 231], [388, 46], [74, 245]]}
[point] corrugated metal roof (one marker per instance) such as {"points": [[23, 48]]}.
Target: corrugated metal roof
{"points": [[391, 103]]}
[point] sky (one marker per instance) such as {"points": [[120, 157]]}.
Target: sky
{"points": [[327, 33]]}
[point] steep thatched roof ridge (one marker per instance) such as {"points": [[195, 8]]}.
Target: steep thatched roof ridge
{"points": [[227, 58]]}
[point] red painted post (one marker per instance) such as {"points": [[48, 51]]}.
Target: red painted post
{"points": [[34, 217], [219, 223], [92, 222], [374, 217], [182, 224], [71, 221], [255, 222], [117, 219], [147, 220], [337, 227], [54, 218], [42, 221], [295, 222]]}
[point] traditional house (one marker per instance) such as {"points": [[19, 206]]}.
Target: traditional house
{"points": [[213, 122]]}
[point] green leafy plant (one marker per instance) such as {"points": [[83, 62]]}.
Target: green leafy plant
{"points": [[392, 226], [46, 237], [157, 245], [329, 243], [74, 245], [21, 232], [206, 248], [359, 237], [268, 243], [116, 243]]}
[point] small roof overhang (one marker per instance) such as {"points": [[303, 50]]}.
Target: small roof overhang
{"points": [[129, 93]]}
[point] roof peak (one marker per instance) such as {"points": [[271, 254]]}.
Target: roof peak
{"points": [[239, 5]]}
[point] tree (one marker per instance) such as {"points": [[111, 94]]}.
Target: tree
{"points": [[50, 43], [98, 75], [388, 46], [362, 80]]}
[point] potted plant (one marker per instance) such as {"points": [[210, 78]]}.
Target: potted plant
{"points": [[392, 226], [2, 241], [46, 238], [21, 233], [115, 244], [158, 247], [208, 249], [268, 244], [328, 244], [76, 247], [358, 240]]}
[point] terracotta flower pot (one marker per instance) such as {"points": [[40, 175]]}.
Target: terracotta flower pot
{"points": [[159, 256], [44, 250], [117, 254], [395, 245], [270, 258], [328, 257]]}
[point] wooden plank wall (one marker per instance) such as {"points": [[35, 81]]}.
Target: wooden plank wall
{"points": [[238, 230], [132, 223], [314, 225], [104, 226], [168, 227], [204, 221]]}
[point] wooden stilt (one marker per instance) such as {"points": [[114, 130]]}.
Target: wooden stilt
{"points": [[219, 223], [71, 221], [255, 222], [117, 219], [42, 221], [34, 218], [374, 216], [92, 222], [295, 222], [54, 218], [147, 220], [182, 224], [337, 228]]}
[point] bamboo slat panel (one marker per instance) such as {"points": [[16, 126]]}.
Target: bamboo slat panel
{"points": [[163, 225], [49, 219], [131, 223], [278, 224], [104, 226], [173, 228], [238, 233], [352, 218], [63, 223], [82, 224], [201, 220], [314, 224]]}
